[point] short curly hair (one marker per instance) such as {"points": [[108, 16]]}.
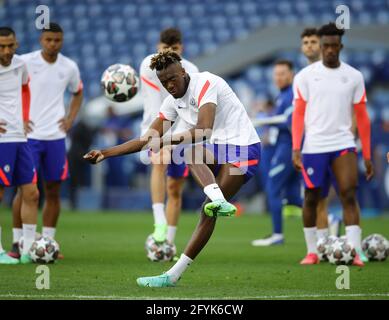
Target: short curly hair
{"points": [[330, 29], [164, 59]]}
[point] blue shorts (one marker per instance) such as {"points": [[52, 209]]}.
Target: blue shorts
{"points": [[177, 168], [50, 157], [246, 158], [16, 164], [317, 172]]}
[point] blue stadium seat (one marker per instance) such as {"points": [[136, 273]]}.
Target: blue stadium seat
{"points": [[116, 30]]}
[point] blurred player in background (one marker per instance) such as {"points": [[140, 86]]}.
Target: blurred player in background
{"points": [[51, 74], [283, 181], [16, 161], [310, 47], [210, 108], [326, 94], [153, 93]]}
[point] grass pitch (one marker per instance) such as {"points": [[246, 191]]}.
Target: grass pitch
{"points": [[104, 255]]}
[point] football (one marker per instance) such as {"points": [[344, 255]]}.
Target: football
{"points": [[154, 250], [341, 251], [376, 247], [120, 82], [44, 250], [169, 251], [322, 246], [159, 251]]}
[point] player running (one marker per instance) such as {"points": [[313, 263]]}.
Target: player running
{"points": [[211, 110], [16, 162], [283, 181], [326, 223], [51, 75], [153, 93], [326, 94]]}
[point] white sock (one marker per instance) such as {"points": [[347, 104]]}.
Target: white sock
{"points": [[29, 236], [159, 213], [353, 234], [171, 233], [1, 247], [48, 232], [213, 192], [178, 269], [277, 236], [310, 239], [321, 233], [17, 234]]}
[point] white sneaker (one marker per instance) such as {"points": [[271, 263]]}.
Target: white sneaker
{"points": [[274, 239]]}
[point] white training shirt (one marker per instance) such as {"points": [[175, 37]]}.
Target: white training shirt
{"points": [[330, 95], [153, 93], [48, 82], [232, 124], [12, 78]]}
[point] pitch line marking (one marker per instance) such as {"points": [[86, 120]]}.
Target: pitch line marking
{"points": [[90, 297]]}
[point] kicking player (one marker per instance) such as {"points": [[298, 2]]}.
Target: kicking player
{"points": [[283, 181], [211, 110], [153, 93], [310, 47], [51, 74], [326, 94], [16, 162]]}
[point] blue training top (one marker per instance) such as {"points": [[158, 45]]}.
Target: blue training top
{"points": [[284, 105]]}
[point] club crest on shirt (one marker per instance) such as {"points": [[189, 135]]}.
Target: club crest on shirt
{"points": [[16, 71], [61, 75], [310, 171], [7, 168], [192, 101]]}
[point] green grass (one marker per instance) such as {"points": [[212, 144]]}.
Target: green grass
{"points": [[104, 255]]}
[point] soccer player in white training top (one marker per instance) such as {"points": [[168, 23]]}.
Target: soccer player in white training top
{"points": [[212, 111], [16, 162], [153, 94], [326, 94], [51, 74], [326, 223]]}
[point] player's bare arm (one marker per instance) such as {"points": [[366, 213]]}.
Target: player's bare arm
{"points": [[201, 132], [66, 123], [2, 126], [156, 130]]}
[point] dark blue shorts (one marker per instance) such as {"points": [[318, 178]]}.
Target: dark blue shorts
{"points": [[177, 168], [246, 158], [50, 157], [317, 172], [16, 164]]}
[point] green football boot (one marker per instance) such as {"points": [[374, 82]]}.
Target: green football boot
{"points": [[160, 231], [362, 255], [25, 259], [6, 259], [160, 281], [219, 208]]}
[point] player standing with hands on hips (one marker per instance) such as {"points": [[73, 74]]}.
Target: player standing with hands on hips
{"points": [[325, 95], [16, 161], [51, 74]]}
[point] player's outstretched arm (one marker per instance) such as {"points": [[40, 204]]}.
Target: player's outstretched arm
{"points": [[156, 130]]}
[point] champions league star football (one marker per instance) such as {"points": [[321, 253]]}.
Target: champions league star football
{"points": [[201, 150]]}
